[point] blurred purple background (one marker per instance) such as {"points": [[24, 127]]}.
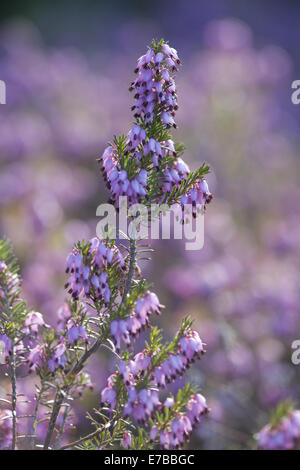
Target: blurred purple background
{"points": [[67, 69]]}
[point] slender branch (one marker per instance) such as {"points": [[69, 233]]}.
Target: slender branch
{"points": [[62, 427], [132, 255], [82, 439], [81, 362], [14, 396], [87, 437], [35, 415], [12, 378], [58, 400]]}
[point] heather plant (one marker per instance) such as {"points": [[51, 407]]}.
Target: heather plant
{"points": [[283, 430], [109, 304]]}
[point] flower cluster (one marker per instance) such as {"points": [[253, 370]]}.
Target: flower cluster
{"points": [[32, 323], [117, 179], [180, 428], [173, 176], [70, 331], [128, 329], [143, 401], [190, 348], [199, 194], [54, 359], [284, 435], [144, 164], [141, 404], [59, 358], [75, 332], [89, 273], [154, 87], [90, 266]]}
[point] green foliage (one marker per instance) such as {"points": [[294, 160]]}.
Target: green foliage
{"points": [[157, 45], [284, 408], [13, 310], [157, 130]]}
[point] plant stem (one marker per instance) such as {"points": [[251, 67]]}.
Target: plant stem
{"points": [[132, 257], [35, 415], [58, 400], [14, 396], [62, 427], [85, 438], [12, 378], [81, 362]]}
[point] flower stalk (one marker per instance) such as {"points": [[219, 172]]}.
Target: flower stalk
{"points": [[12, 375]]}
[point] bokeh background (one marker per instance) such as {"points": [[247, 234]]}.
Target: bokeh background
{"points": [[67, 66]]}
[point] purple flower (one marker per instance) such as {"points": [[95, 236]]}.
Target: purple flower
{"points": [[7, 342], [128, 329], [125, 373], [58, 359], [196, 407], [169, 402], [140, 363], [109, 395], [153, 433], [126, 440], [33, 321], [164, 439], [191, 346], [64, 314], [35, 357], [74, 332], [3, 267], [141, 405]]}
